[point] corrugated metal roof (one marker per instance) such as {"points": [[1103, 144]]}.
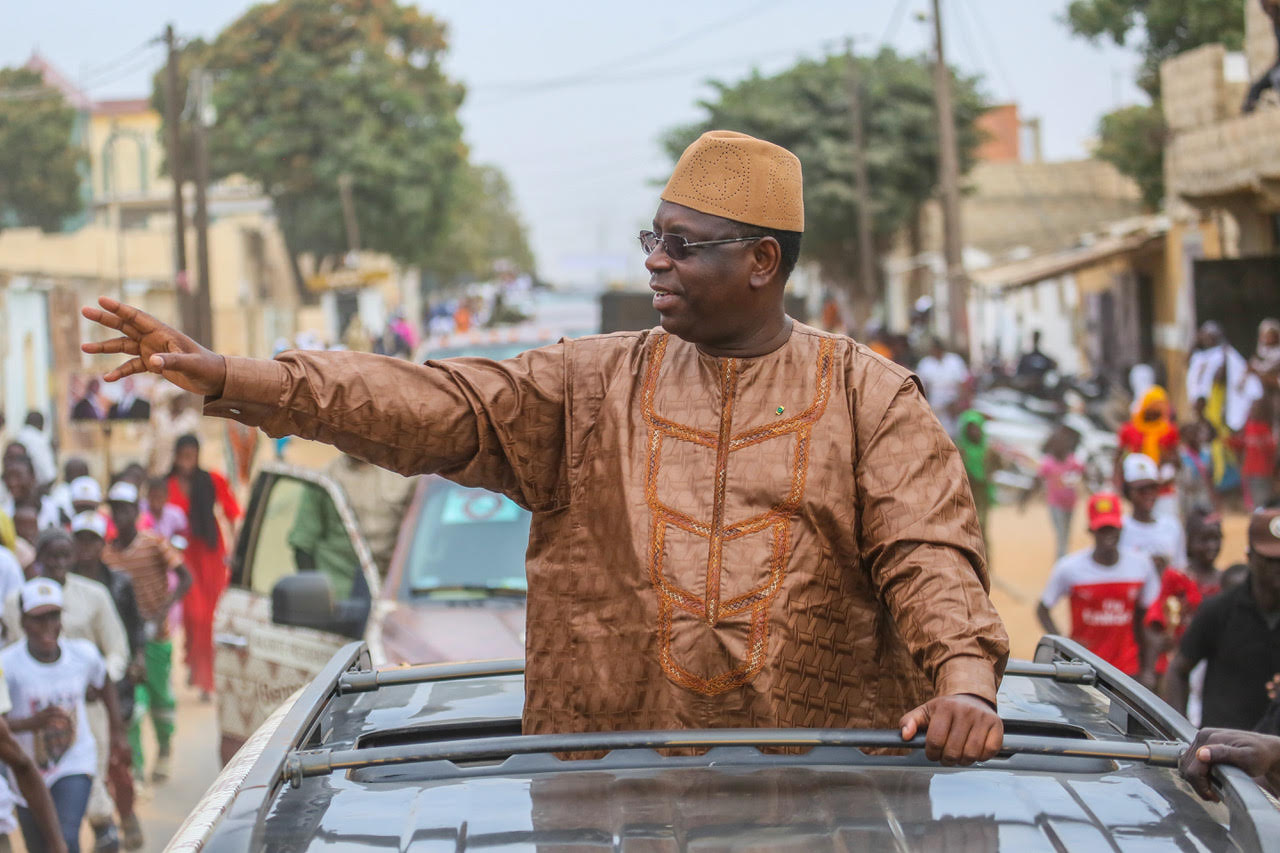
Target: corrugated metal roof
{"points": [[1053, 264]]}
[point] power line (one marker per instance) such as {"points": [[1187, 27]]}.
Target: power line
{"points": [[100, 68], [121, 73], [895, 21], [517, 89]]}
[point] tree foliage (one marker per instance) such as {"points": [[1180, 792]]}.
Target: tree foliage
{"points": [[1165, 27], [307, 92], [483, 229], [806, 109], [39, 164], [1133, 138]]}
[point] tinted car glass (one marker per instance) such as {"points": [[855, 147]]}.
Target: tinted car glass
{"points": [[466, 540]]}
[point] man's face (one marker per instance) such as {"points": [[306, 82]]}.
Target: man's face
{"points": [[1143, 494], [1266, 573], [1205, 544], [18, 480], [1106, 540], [26, 522], [705, 298], [124, 514], [42, 630], [88, 548], [55, 559]]}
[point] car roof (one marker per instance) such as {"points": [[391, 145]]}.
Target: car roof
{"points": [[350, 785]]}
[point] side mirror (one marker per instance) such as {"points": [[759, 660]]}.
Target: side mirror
{"points": [[304, 600]]}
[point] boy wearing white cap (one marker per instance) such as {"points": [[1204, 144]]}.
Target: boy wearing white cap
{"points": [[1158, 536], [48, 677]]}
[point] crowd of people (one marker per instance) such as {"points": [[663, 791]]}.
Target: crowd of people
{"points": [[93, 583]]}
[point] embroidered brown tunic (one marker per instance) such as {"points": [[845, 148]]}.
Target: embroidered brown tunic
{"points": [[787, 540]]}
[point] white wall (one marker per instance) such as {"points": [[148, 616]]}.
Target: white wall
{"points": [[26, 353]]}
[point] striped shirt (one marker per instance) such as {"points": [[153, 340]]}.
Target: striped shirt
{"points": [[148, 559]]}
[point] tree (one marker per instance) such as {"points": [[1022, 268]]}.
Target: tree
{"points": [[483, 229], [40, 166], [1167, 28], [1132, 139], [308, 92], [806, 109]]}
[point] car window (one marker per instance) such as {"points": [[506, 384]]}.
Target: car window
{"points": [[300, 528], [470, 539]]}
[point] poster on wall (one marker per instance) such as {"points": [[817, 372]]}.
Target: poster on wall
{"points": [[91, 399]]}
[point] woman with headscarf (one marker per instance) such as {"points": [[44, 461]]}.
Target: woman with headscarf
{"points": [[980, 464], [199, 493], [1152, 432]]}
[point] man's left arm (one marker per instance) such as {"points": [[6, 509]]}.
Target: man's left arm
{"points": [[922, 546]]}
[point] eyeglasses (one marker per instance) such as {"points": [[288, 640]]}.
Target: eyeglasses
{"points": [[677, 247]]}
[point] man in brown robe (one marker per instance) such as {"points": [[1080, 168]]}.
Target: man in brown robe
{"points": [[738, 520]]}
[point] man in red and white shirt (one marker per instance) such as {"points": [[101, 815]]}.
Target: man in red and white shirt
{"points": [[1110, 590]]}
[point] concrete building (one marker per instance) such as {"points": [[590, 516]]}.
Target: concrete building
{"points": [[1223, 167], [1014, 206]]}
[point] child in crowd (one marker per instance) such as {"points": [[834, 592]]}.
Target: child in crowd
{"points": [[1195, 474], [1256, 444], [160, 516], [1182, 592], [1062, 473], [1110, 588], [1160, 537]]}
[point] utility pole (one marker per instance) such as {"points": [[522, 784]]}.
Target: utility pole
{"points": [[949, 184], [349, 212], [203, 117], [181, 279], [866, 246]]}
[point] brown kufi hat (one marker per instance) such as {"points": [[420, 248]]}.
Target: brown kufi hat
{"points": [[741, 178], [1264, 532]]}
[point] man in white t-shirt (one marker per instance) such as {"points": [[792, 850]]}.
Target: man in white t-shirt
{"points": [[944, 375], [30, 785], [47, 679], [1160, 537], [1110, 588]]}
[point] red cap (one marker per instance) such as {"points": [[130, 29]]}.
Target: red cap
{"points": [[1104, 511]]}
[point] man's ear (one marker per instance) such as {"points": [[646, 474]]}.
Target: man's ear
{"points": [[766, 261]]}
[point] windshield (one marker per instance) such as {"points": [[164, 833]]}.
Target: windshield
{"points": [[469, 539]]}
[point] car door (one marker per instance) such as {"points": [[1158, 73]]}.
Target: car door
{"points": [[298, 520]]}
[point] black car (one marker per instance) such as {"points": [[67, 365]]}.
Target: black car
{"points": [[428, 758]]}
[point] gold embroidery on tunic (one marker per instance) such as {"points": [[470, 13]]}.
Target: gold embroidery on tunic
{"points": [[709, 608]]}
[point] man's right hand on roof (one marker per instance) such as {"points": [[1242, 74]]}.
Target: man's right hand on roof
{"points": [[156, 348], [1254, 753]]}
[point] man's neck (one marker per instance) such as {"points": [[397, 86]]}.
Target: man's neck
{"points": [[94, 572], [763, 341], [1111, 558], [1266, 602], [125, 537], [1143, 517]]}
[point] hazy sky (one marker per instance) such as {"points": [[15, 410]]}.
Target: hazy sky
{"points": [[569, 98]]}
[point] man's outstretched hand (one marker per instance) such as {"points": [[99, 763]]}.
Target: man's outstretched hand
{"points": [[959, 729], [156, 348], [1254, 753]]}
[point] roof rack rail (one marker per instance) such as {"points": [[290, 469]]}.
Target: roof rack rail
{"points": [[1135, 710], [1062, 671], [364, 681], [322, 762]]}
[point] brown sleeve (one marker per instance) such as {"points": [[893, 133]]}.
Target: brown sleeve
{"points": [[494, 424], [920, 540]]}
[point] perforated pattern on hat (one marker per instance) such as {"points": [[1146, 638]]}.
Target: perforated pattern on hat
{"points": [[741, 178]]}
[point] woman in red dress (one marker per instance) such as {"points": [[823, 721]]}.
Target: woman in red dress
{"points": [[200, 493]]}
